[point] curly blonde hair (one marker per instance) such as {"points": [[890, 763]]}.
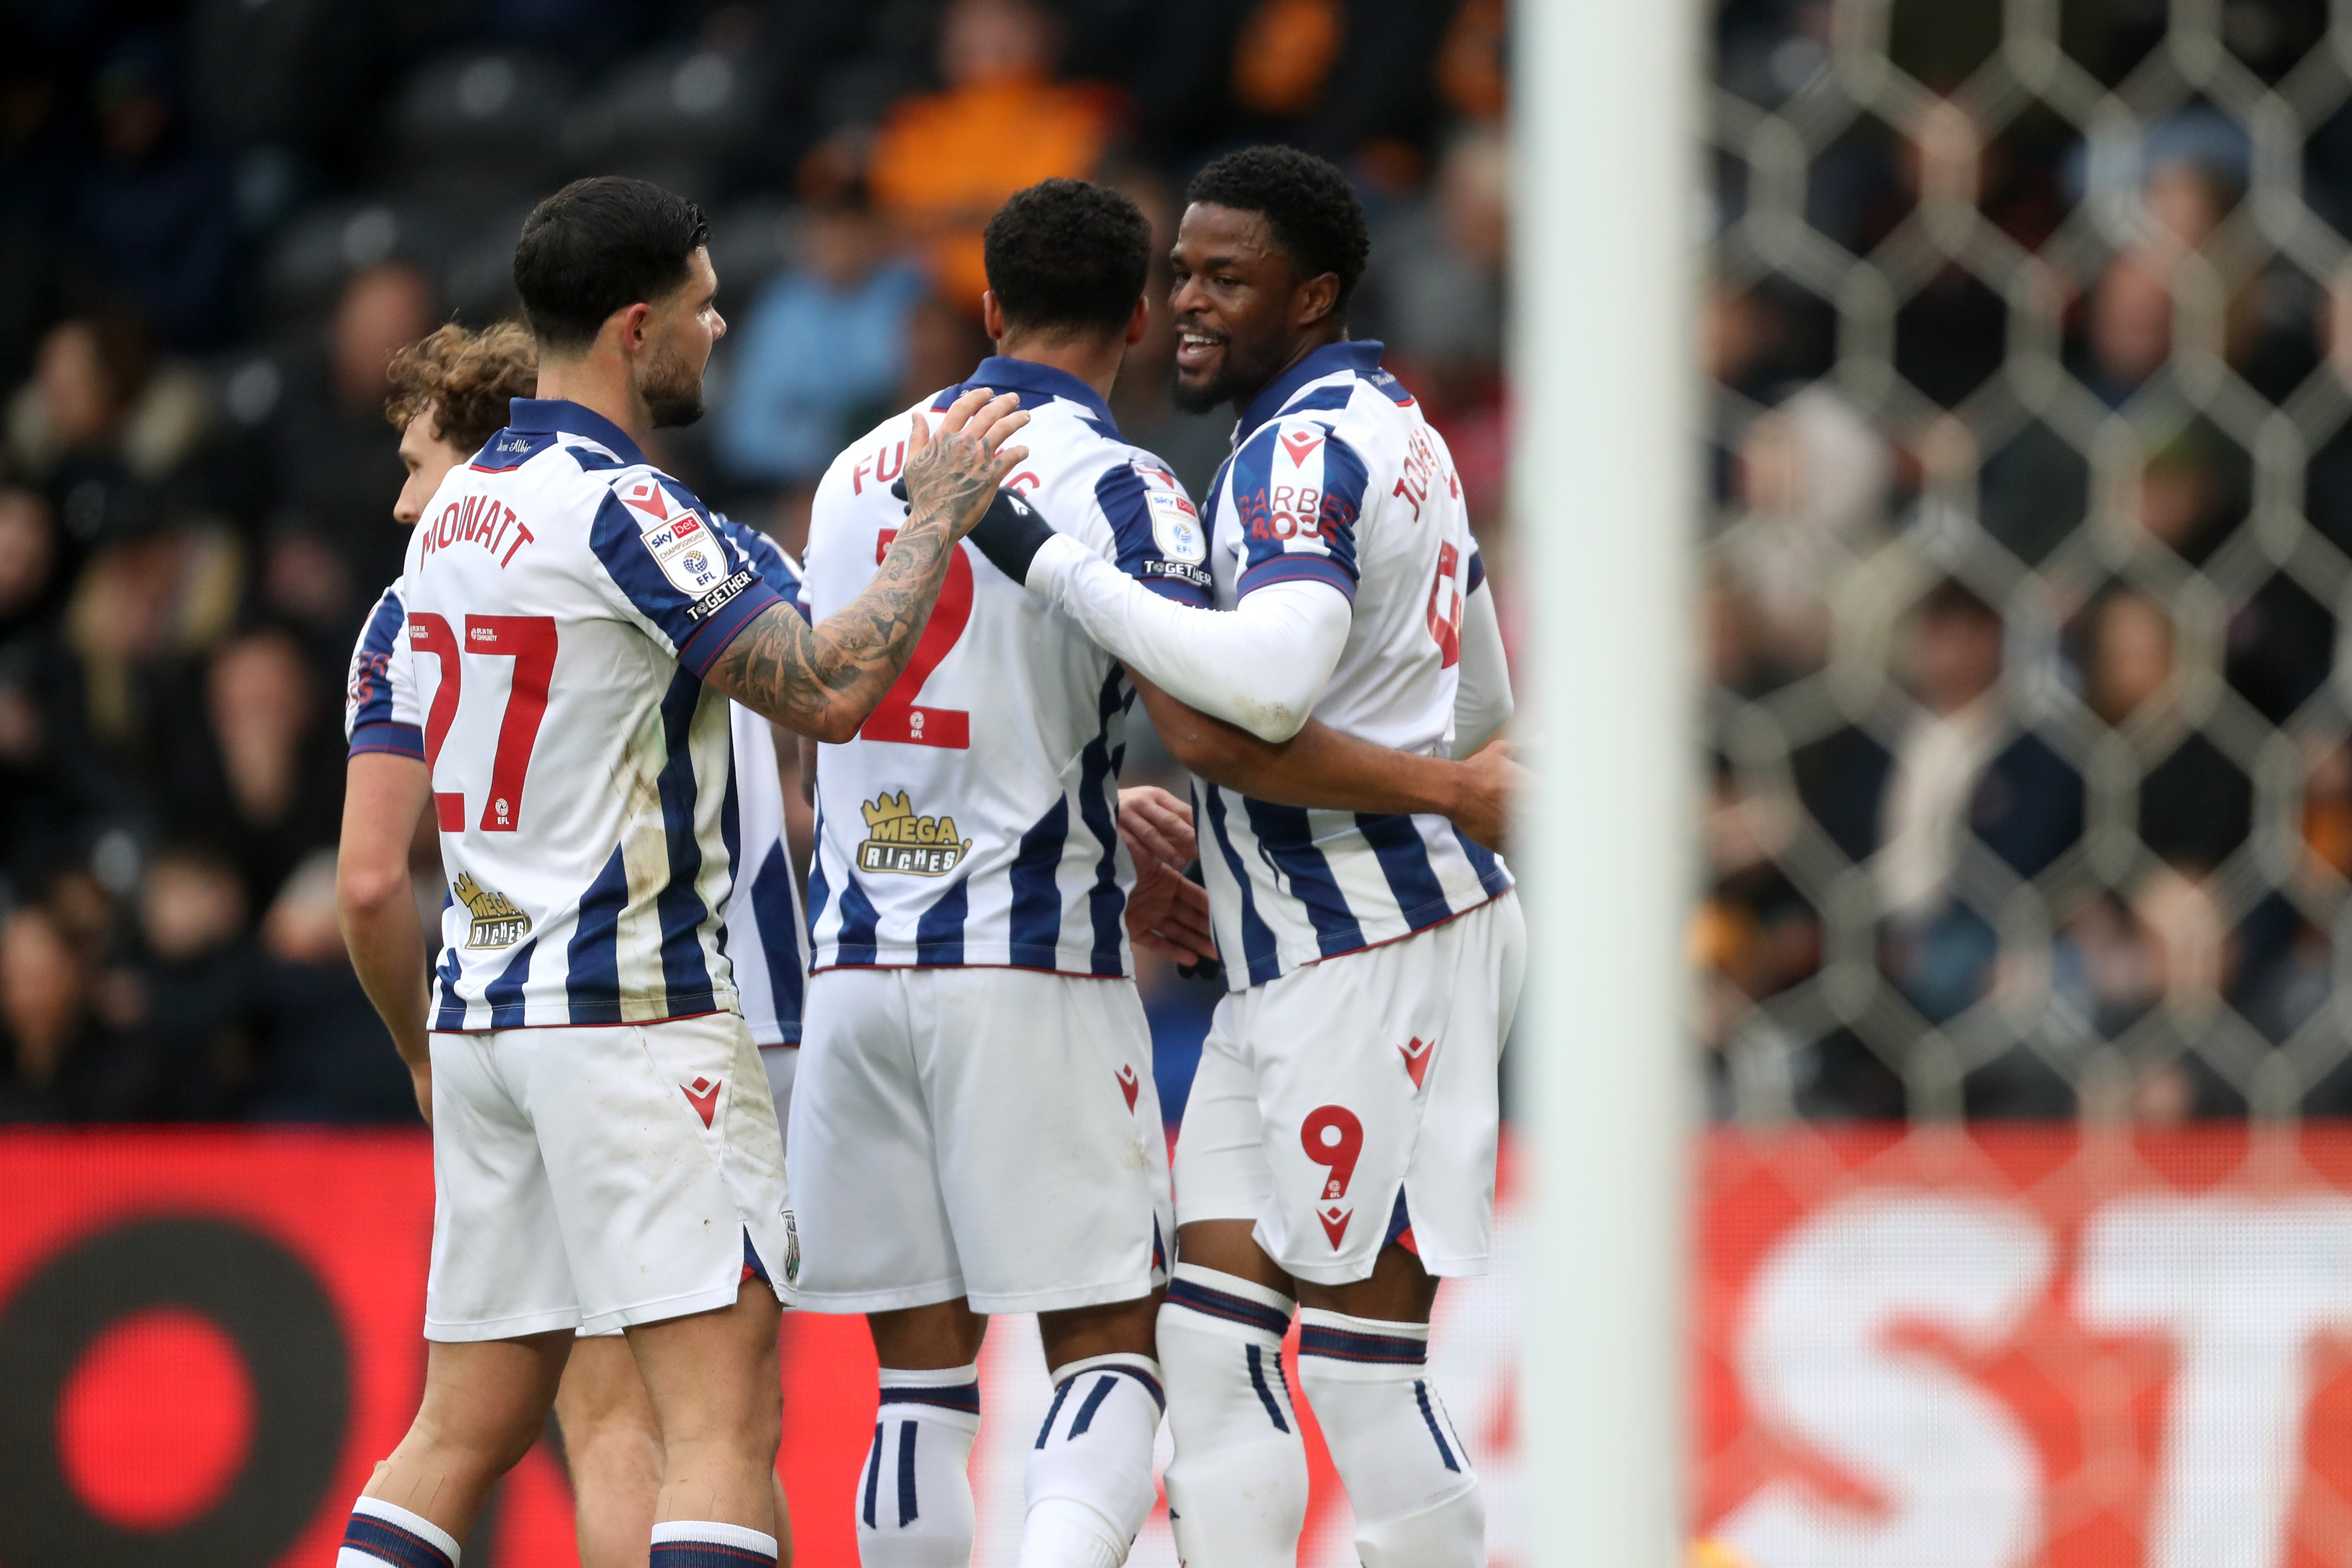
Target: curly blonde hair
{"points": [[466, 378]]}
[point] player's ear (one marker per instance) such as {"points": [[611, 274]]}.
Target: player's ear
{"points": [[991, 316], [1313, 300], [630, 322], [1139, 321]]}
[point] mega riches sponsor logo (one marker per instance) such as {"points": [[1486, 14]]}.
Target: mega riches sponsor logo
{"points": [[497, 921], [898, 839]]}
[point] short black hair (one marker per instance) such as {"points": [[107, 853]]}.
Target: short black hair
{"points": [[597, 246], [1313, 211], [1067, 255]]}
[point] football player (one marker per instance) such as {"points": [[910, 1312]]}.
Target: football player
{"points": [[975, 1129], [607, 1152], [1338, 1149]]}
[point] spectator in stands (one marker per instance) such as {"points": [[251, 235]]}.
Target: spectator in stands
{"points": [[330, 547], [104, 429], [263, 780], [1962, 780], [1812, 476], [821, 352], [64, 1064], [324, 1055], [198, 982], [2195, 806], [155, 206], [945, 162]]}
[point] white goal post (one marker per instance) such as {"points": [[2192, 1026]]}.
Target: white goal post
{"points": [[1603, 487]]}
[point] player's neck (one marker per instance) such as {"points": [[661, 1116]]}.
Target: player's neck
{"points": [[1094, 362], [600, 383], [1321, 335]]}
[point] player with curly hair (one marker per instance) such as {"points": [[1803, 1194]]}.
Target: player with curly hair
{"points": [[1338, 1149]]}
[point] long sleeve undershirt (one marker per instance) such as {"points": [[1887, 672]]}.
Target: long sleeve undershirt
{"points": [[1263, 665]]}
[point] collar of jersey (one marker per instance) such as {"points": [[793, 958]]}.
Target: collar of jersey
{"points": [[1038, 383], [562, 415], [1359, 355]]}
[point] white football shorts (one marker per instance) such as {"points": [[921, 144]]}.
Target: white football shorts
{"points": [[600, 1177], [1354, 1103], [987, 1133]]}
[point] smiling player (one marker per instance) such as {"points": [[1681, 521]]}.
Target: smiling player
{"points": [[1338, 1147]]}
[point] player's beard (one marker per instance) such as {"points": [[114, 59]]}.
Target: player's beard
{"points": [[672, 390], [1235, 380]]}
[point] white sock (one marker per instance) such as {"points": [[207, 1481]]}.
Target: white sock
{"points": [[380, 1532], [1390, 1440], [1238, 1488], [1090, 1472], [710, 1544], [914, 1497]]}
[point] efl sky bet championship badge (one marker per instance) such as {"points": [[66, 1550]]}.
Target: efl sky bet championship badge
{"points": [[497, 922], [899, 840]]}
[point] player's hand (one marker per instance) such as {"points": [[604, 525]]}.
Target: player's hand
{"points": [[1168, 913], [1490, 781], [953, 474], [1158, 827]]}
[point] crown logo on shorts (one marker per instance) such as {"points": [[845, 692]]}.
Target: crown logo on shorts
{"points": [[900, 839], [497, 921]]}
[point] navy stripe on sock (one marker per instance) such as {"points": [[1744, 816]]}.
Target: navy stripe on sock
{"points": [[961, 1396], [1266, 1395], [1054, 1410], [707, 1555], [382, 1539], [873, 1474], [1341, 1344], [1085, 1416], [907, 1469], [1421, 1393], [1150, 1384], [1213, 1303]]}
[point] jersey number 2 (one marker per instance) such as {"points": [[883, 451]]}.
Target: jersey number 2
{"points": [[899, 717], [529, 641]]}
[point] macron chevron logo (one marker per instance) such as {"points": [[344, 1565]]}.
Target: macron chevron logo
{"points": [[703, 1095], [1416, 1059], [1335, 1223], [646, 495], [1129, 1085], [1301, 445]]}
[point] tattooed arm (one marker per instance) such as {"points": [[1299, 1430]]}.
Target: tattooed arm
{"points": [[823, 680]]}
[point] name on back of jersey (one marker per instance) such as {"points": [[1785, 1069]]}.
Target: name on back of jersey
{"points": [[900, 839]]}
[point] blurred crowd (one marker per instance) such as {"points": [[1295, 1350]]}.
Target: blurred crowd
{"points": [[2032, 489], [219, 218]]}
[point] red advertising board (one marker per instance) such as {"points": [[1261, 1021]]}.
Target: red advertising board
{"points": [[1920, 1349]]}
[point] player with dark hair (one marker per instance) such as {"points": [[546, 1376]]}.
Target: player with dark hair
{"points": [[1338, 1149], [605, 1148]]}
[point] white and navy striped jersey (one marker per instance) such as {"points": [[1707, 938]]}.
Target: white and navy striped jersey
{"points": [[974, 819], [1335, 478], [765, 935], [564, 599]]}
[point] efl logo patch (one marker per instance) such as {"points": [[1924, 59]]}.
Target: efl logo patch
{"points": [[688, 555], [703, 1095], [497, 921], [899, 839], [1175, 521]]}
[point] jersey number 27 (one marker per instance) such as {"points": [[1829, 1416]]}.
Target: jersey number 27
{"points": [[529, 641]]}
